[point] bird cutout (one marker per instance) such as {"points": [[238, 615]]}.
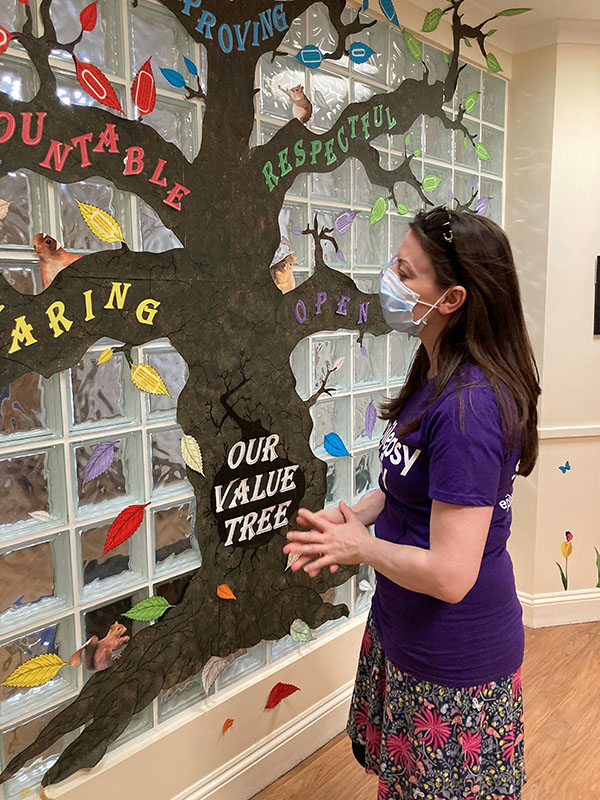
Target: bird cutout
{"points": [[565, 468], [282, 266], [53, 259], [302, 107], [98, 653]]}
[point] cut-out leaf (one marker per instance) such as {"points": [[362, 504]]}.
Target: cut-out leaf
{"points": [[105, 355], [343, 222], [471, 101], [482, 151], [300, 632], [363, 350], [365, 586], [467, 42], [99, 461], [147, 379], [190, 66], [101, 223], [310, 56], [417, 153], [407, 139], [445, 57], [340, 256], [493, 64], [430, 183], [360, 52], [387, 6], [97, 85], [297, 231], [227, 724], [482, 205], [125, 525], [465, 143], [339, 362], [5, 38], [432, 20], [378, 210], [402, 209], [225, 593], [4, 206], [511, 12], [192, 455], [279, 692], [88, 17], [143, 91], [148, 609], [292, 558], [215, 666], [175, 78], [562, 575], [334, 445], [490, 33], [40, 516], [370, 419], [36, 671], [414, 47]]}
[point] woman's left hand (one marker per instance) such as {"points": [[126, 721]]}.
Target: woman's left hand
{"points": [[333, 543]]}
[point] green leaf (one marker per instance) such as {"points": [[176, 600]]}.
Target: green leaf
{"points": [[471, 101], [148, 609], [562, 575], [414, 47], [378, 210], [482, 151], [512, 12], [417, 153], [407, 139], [493, 64], [432, 20], [468, 42], [402, 209], [492, 32], [465, 140], [430, 183], [300, 632], [445, 57]]}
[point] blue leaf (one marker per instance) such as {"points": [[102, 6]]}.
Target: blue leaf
{"points": [[365, 5], [360, 52], [191, 66], [387, 6], [334, 445], [174, 78], [310, 56]]}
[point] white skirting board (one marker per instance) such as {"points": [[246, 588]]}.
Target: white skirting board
{"points": [[560, 608]]}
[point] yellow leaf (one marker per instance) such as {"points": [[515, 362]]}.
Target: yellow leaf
{"points": [[190, 450], [106, 355], [36, 671], [4, 206], [225, 593], [101, 223], [147, 379]]}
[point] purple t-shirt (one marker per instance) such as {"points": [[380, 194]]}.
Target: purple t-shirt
{"points": [[482, 638]]}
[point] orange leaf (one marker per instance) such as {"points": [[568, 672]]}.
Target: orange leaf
{"points": [[227, 724], [225, 592], [279, 692], [88, 17], [125, 525]]}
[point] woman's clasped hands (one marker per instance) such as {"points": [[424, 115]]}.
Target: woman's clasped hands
{"points": [[337, 537]]}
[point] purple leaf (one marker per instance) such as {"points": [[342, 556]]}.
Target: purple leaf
{"points": [[393, 260], [482, 205], [297, 231], [451, 194], [381, 272], [340, 256], [363, 350], [99, 461], [338, 362], [343, 222], [370, 419]]}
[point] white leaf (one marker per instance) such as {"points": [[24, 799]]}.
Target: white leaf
{"points": [[190, 450], [40, 516], [215, 666], [292, 557], [365, 586]]}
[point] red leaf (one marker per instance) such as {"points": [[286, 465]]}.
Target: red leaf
{"points": [[96, 85], [125, 525], [25, 2], [88, 17], [279, 692], [5, 38], [143, 91]]}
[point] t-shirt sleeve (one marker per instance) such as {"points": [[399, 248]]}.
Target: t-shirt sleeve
{"points": [[465, 467]]}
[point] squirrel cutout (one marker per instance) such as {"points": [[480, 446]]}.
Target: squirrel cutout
{"points": [[282, 270], [302, 106], [53, 259], [98, 652]]}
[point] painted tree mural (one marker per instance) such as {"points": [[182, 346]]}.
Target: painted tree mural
{"points": [[217, 303]]}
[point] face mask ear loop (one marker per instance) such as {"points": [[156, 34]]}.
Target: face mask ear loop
{"points": [[422, 320]]}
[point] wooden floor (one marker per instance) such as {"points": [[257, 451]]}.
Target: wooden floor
{"points": [[561, 693]]}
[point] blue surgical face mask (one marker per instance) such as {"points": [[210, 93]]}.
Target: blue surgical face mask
{"points": [[397, 303]]}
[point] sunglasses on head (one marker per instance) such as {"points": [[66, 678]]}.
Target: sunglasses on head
{"points": [[437, 225]]}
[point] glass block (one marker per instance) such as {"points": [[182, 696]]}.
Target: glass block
{"points": [[18, 79], [102, 394], [334, 186], [155, 32], [402, 64], [70, 92], [175, 546], [493, 190], [399, 227], [118, 486], [301, 276], [100, 46], [253, 659], [58, 638], [365, 192], [363, 598], [469, 81], [402, 351], [12, 17], [283, 646], [275, 79], [366, 282], [404, 192], [494, 99], [437, 66], [335, 596], [76, 233], [181, 697], [168, 471], [370, 369], [367, 467], [299, 362], [331, 94], [175, 122], [30, 408], [174, 372], [360, 93], [295, 215], [140, 723], [102, 573], [23, 276], [32, 483], [338, 481], [494, 141], [440, 195], [326, 218], [321, 32], [398, 141], [295, 36], [361, 403], [438, 140], [466, 155], [330, 416], [377, 39], [23, 220], [156, 237], [34, 581], [370, 242], [465, 183], [325, 353]]}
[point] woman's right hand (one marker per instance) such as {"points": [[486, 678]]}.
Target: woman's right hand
{"points": [[329, 515]]}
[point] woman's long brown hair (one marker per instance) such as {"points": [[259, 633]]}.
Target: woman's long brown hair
{"points": [[487, 330]]}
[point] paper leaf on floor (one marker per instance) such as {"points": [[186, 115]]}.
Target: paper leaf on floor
{"points": [[4, 206], [339, 362], [143, 91], [40, 516], [370, 419], [225, 593], [365, 586], [36, 671], [147, 379], [334, 445], [97, 85], [105, 355], [88, 17], [100, 222], [292, 558], [279, 692], [99, 461], [190, 450], [227, 724], [125, 525], [215, 666], [149, 609], [300, 632]]}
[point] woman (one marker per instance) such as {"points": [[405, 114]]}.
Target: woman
{"points": [[437, 710]]}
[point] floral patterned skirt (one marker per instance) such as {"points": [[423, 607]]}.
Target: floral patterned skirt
{"points": [[436, 742]]}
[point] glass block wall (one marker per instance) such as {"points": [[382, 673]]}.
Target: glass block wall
{"points": [[56, 587]]}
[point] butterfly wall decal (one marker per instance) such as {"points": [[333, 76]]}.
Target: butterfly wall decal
{"points": [[565, 468]]}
